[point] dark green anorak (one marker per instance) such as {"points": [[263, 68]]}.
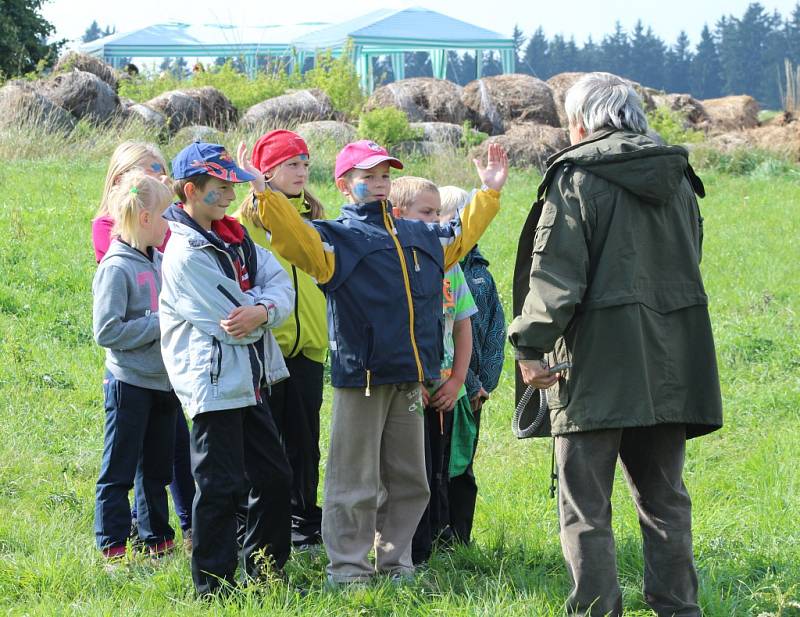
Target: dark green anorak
{"points": [[608, 278]]}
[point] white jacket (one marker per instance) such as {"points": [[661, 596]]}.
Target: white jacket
{"points": [[209, 369]]}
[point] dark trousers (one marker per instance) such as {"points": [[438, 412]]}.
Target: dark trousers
{"points": [[182, 485], [462, 492], [295, 403], [652, 459], [434, 524], [237, 454], [138, 446]]}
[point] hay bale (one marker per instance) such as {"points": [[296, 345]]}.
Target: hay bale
{"points": [[216, 109], [439, 132], [330, 131], [289, 109], [564, 81], [83, 94], [692, 110], [22, 105], [496, 102], [179, 108], [528, 145], [148, 117], [422, 149], [731, 113], [423, 99], [782, 140], [197, 132], [90, 64]]}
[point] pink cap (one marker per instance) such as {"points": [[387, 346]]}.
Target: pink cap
{"points": [[364, 154]]}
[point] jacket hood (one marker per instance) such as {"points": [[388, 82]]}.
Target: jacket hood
{"points": [[634, 162], [119, 248], [371, 211], [228, 228]]}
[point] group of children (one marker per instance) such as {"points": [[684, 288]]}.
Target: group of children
{"points": [[232, 325]]}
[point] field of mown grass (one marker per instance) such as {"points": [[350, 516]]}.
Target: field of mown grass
{"points": [[744, 479]]}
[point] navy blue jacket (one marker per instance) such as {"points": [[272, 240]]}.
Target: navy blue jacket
{"points": [[385, 297]]}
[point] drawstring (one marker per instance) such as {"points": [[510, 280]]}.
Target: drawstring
{"points": [[366, 392], [416, 262]]}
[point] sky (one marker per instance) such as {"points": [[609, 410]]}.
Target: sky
{"points": [[578, 18]]}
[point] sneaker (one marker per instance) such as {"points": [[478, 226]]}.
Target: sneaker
{"points": [[114, 558], [162, 549], [187, 541]]}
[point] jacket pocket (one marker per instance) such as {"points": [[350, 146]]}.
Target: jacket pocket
{"points": [[216, 367], [424, 272], [558, 393], [541, 236]]}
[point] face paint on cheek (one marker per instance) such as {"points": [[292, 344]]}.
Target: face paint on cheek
{"points": [[360, 191], [212, 198], [156, 167]]}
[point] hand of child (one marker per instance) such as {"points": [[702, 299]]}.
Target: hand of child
{"points": [[446, 396], [259, 184], [480, 397], [426, 396], [495, 173], [244, 319]]}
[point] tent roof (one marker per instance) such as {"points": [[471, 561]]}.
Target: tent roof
{"points": [[197, 40], [411, 27]]}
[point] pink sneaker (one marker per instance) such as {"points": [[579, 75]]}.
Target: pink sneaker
{"points": [[161, 549]]}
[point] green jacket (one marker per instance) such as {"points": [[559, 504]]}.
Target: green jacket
{"points": [[608, 278]]}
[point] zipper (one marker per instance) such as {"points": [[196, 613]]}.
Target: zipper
{"points": [[416, 261], [296, 313], [404, 268], [216, 358]]}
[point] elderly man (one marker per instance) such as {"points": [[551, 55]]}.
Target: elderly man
{"points": [[608, 281]]}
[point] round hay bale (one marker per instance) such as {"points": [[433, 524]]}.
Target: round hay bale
{"points": [[327, 131], [22, 105], [83, 94], [149, 117], [197, 132], [216, 109], [528, 145], [289, 109], [179, 108], [496, 102], [90, 64], [731, 113], [439, 132], [423, 99], [423, 149], [692, 110], [564, 81]]}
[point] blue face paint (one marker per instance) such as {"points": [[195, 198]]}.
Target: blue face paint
{"points": [[303, 157], [157, 167], [211, 198], [360, 191]]}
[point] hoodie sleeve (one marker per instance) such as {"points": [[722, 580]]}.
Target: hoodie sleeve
{"points": [[204, 297], [559, 272], [111, 330], [475, 218], [272, 285]]}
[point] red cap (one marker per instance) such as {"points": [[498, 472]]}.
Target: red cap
{"points": [[276, 147], [364, 154]]}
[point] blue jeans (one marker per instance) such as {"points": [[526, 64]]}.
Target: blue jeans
{"points": [[138, 445], [182, 486]]}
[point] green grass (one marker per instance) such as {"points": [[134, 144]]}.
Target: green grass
{"points": [[743, 479]]}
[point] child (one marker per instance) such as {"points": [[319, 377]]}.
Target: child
{"points": [[418, 199], [139, 402], [383, 281], [127, 156], [222, 294], [486, 364], [282, 158]]}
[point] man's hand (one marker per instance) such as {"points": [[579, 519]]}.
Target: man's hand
{"points": [[495, 173], [446, 396], [479, 399], [259, 184], [535, 373], [244, 319]]}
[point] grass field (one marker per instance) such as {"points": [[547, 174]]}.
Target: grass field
{"points": [[744, 479]]}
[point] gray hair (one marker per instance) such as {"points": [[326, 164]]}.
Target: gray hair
{"points": [[603, 100]]}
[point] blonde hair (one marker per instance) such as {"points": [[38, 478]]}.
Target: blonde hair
{"points": [[406, 189], [134, 192], [127, 156], [453, 199]]}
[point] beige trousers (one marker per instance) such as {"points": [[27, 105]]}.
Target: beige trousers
{"points": [[376, 488]]}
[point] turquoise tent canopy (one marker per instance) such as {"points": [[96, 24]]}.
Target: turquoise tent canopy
{"points": [[393, 33], [385, 32]]}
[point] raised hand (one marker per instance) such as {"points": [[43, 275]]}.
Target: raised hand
{"points": [[495, 173], [259, 184]]}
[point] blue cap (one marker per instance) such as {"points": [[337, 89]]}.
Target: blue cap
{"points": [[212, 159]]}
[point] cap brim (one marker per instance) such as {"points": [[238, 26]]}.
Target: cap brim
{"points": [[370, 162]]}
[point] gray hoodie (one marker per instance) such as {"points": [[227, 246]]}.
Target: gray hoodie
{"points": [[125, 316]]}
